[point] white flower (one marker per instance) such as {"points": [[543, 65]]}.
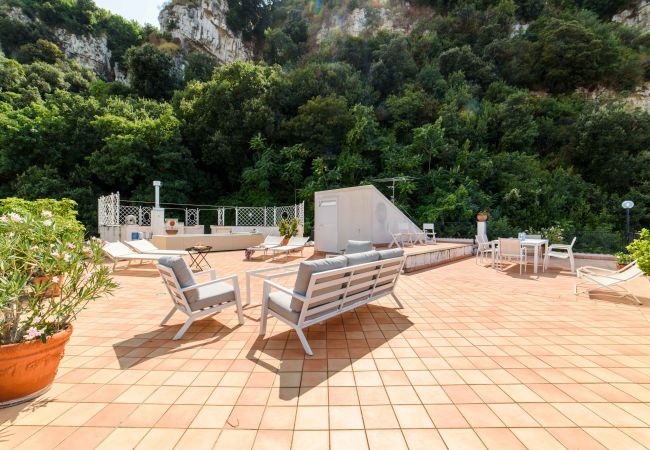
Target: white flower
{"points": [[55, 254], [12, 234], [66, 257], [34, 247], [4, 219], [46, 213], [70, 245], [33, 333], [47, 222], [37, 319], [55, 279], [15, 217]]}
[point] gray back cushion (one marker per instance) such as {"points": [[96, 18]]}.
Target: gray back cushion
{"points": [[183, 273], [358, 247], [362, 258], [391, 253], [305, 271]]}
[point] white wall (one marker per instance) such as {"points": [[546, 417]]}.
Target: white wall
{"points": [[363, 213]]}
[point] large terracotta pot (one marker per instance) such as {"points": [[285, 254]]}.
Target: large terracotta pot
{"points": [[28, 369]]}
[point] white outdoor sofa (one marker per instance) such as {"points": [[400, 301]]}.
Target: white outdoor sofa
{"points": [[325, 288], [195, 299], [294, 244], [118, 252]]}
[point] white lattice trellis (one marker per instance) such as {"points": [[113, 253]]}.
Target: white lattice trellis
{"points": [[191, 217], [108, 210], [135, 215], [268, 216]]}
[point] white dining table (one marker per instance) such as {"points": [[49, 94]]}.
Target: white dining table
{"points": [[536, 244]]}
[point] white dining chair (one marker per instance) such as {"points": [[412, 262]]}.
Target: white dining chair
{"points": [[561, 251], [511, 250]]}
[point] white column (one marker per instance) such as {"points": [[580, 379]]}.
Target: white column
{"points": [[158, 221], [481, 228]]}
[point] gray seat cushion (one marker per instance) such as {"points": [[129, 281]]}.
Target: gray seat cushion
{"points": [[305, 271], [280, 303], [184, 275], [210, 295], [358, 247], [362, 258], [391, 253]]}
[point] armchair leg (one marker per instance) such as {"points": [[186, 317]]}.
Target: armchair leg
{"points": [[264, 311], [303, 341], [399, 304], [184, 328], [168, 316]]}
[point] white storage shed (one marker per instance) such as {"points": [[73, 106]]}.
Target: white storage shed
{"points": [[356, 213]]}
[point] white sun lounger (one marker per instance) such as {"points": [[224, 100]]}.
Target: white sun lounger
{"points": [[294, 244], [269, 242], [144, 246], [595, 278], [117, 252]]}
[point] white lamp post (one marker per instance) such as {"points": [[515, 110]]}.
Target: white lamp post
{"points": [[158, 213], [627, 205]]}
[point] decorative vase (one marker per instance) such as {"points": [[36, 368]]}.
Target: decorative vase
{"points": [[285, 241], [55, 288], [171, 231], [28, 369], [481, 217]]}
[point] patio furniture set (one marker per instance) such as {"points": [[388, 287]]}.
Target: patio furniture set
{"points": [[323, 289], [517, 250], [405, 236]]}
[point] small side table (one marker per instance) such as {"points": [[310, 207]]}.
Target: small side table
{"points": [[198, 254]]}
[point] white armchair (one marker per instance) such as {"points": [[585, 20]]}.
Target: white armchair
{"points": [[562, 251], [485, 248]]}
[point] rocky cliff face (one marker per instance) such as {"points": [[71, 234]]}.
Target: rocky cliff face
{"points": [[377, 15], [90, 51], [201, 25], [638, 16]]}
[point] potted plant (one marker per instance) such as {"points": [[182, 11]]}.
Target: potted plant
{"points": [[623, 259], [288, 229], [49, 273], [482, 216], [640, 250]]}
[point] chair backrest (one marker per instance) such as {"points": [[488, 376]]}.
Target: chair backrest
{"points": [[171, 283], [117, 249], [428, 227], [509, 246], [573, 241], [627, 273], [533, 236], [403, 227], [298, 241], [481, 239], [358, 247], [330, 290], [142, 245], [273, 240]]}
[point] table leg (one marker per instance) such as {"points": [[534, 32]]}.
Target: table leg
{"points": [[535, 262], [248, 289]]}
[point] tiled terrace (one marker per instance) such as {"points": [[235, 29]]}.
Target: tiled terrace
{"points": [[475, 359]]}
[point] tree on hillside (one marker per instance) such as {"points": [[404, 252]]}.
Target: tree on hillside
{"points": [[152, 73]]}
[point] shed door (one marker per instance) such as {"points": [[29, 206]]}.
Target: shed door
{"points": [[327, 229]]}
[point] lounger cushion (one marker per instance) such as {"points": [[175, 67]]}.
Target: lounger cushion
{"points": [[362, 258], [210, 295], [391, 253], [184, 275], [358, 247]]}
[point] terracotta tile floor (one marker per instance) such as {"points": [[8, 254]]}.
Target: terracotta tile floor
{"points": [[475, 359]]}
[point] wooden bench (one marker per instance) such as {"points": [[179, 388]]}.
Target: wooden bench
{"points": [[328, 287]]}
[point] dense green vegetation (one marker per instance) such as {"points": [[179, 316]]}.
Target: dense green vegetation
{"points": [[481, 116]]}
